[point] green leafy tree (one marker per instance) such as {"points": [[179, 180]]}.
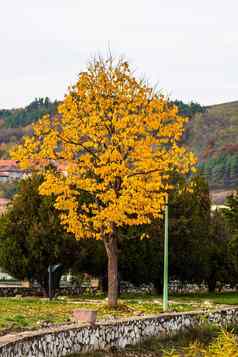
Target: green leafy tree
{"points": [[189, 213], [190, 109], [23, 116], [141, 260], [198, 242], [220, 264], [231, 215], [31, 236], [189, 246]]}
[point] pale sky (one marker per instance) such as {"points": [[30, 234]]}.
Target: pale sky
{"points": [[188, 47]]}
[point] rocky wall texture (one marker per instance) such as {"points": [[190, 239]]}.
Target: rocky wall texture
{"points": [[83, 338]]}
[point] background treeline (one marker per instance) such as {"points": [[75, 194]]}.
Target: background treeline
{"points": [[202, 247], [16, 118], [20, 117], [15, 123], [189, 109], [221, 171]]}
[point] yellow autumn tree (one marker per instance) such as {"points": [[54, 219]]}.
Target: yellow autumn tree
{"points": [[118, 141]]}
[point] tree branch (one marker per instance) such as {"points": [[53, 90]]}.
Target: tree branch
{"points": [[144, 172], [79, 144]]}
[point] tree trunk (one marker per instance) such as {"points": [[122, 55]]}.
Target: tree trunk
{"points": [[211, 285], [112, 255]]}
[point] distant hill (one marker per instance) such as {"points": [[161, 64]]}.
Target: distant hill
{"points": [[212, 133], [19, 117], [15, 123], [213, 136]]}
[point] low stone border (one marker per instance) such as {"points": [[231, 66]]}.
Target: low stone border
{"points": [[56, 342]]}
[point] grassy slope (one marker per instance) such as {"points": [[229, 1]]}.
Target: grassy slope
{"points": [[214, 130], [212, 135]]}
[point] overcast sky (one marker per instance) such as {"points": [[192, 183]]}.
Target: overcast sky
{"points": [[188, 47]]}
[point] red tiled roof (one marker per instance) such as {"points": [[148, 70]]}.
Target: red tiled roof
{"points": [[10, 163], [8, 166]]}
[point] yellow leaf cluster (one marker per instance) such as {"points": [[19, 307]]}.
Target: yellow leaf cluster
{"points": [[119, 141]]}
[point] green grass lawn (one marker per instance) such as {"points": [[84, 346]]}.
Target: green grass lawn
{"points": [[27, 313], [230, 298]]}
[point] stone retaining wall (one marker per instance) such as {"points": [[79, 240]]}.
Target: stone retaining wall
{"points": [[58, 342]]}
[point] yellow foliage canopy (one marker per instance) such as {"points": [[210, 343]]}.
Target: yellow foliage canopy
{"points": [[119, 141]]}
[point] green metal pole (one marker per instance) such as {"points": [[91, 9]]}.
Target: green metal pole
{"points": [[165, 286]]}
